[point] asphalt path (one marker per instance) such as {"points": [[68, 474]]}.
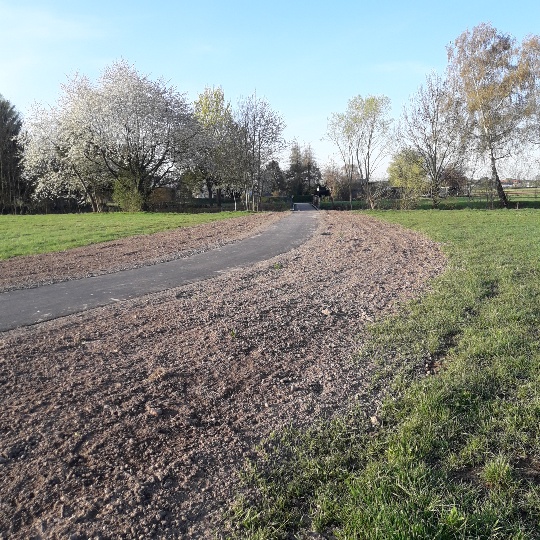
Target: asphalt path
{"points": [[25, 307]]}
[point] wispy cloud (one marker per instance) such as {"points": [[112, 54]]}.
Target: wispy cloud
{"points": [[23, 24]]}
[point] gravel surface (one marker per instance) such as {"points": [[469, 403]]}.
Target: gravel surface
{"points": [[129, 421]]}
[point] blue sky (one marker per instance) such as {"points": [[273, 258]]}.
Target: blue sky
{"points": [[306, 58]]}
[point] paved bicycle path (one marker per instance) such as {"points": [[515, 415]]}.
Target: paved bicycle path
{"points": [[24, 307]]}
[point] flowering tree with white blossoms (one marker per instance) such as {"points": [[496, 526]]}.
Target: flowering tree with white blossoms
{"points": [[126, 133]]}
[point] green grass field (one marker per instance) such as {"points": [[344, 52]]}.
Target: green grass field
{"points": [[456, 454], [28, 235], [520, 198]]}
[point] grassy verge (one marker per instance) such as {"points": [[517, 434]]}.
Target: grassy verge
{"points": [[455, 450], [28, 235]]}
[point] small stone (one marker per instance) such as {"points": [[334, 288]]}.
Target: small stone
{"points": [[154, 411]]}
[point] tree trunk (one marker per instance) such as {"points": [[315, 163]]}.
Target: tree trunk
{"points": [[218, 193], [209, 187], [95, 206], [435, 195], [495, 178]]}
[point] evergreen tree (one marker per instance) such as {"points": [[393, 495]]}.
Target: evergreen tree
{"points": [[14, 191], [303, 173]]}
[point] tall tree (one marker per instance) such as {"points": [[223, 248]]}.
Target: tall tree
{"points": [[295, 172], [435, 125], [13, 189], [493, 78], [369, 120], [63, 164], [339, 132], [261, 129], [312, 172], [216, 143], [303, 172], [362, 136], [334, 179], [531, 55], [126, 129], [274, 179]]}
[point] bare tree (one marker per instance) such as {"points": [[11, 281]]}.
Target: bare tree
{"points": [[334, 179], [435, 125], [370, 122], [493, 77], [339, 132], [261, 130]]}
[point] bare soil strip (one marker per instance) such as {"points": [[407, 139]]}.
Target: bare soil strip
{"points": [[129, 421]]}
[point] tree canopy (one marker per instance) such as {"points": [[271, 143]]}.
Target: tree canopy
{"points": [[494, 76], [14, 191], [126, 132], [362, 136]]}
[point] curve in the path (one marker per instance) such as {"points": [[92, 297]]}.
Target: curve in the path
{"points": [[24, 307]]}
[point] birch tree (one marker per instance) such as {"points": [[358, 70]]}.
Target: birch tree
{"points": [[493, 78]]}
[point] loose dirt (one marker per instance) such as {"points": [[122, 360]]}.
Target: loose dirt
{"points": [[130, 421]]}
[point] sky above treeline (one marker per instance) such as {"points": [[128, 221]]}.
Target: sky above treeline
{"points": [[307, 59]]}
